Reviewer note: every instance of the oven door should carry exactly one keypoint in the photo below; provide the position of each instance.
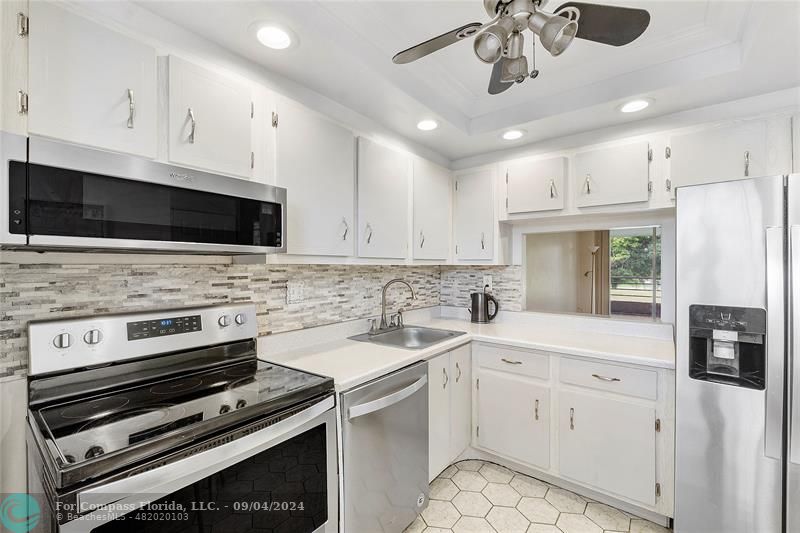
(71, 196)
(282, 477)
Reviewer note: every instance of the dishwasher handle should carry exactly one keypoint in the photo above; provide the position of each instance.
(388, 400)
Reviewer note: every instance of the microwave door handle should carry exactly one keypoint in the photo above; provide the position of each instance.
(773, 437)
(794, 277)
(386, 401)
(154, 484)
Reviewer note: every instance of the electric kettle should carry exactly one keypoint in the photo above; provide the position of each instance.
(479, 310)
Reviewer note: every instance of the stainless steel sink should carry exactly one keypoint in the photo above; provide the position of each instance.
(410, 337)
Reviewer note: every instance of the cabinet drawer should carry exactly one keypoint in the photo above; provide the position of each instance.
(611, 378)
(516, 361)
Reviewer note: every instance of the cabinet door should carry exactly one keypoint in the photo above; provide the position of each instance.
(473, 217)
(209, 120)
(460, 400)
(438, 415)
(431, 235)
(615, 175)
(90, 85)
(316, 164)
(536, 185)
(264, 136)
(382, 201)
(514, 417)
(731, 151)
(608, 444)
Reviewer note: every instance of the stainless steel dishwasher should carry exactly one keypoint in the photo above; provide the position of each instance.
(385, 451)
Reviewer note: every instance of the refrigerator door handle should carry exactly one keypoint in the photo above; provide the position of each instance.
(794, 409)
(773, 438)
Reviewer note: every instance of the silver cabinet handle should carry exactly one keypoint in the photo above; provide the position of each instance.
(346, 228)
(746, 163)
(605, 378)
(194, 126)
(368, 228)
(131, 108)
(511, 361)
(571, 418)
(421, 239)
(553, 191)
(458, 376)
(445, 378)
(588, 184)
(483, 243)
(536, 410)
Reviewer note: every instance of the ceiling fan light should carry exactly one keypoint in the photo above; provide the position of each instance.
(514, 70)
(555, 32)
(491, 42)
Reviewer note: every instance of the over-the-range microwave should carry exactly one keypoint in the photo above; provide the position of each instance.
(64, 196)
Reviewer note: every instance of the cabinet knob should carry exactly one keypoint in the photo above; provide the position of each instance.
(193, 126)
(131, 108)
(588, 184)
(746, 163)
(571, 418)
(368, 228)
(553, 191)
(445, 378)
(62, 340)
(536, 410)
(346, 229)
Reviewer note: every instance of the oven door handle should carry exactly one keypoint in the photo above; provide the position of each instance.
(164, 480)
(386, 401)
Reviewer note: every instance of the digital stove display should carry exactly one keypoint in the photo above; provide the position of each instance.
(146, 329)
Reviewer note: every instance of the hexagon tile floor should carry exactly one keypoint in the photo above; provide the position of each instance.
(480, 497)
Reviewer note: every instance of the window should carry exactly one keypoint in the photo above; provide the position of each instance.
(635, 272)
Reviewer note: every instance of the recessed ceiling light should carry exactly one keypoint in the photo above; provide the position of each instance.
(635, 105)
(513, 135)
(427, 125)
(274, 37)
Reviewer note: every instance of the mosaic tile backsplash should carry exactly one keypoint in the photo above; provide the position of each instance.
(331, 293)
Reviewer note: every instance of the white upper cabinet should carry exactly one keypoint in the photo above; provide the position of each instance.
(536, 185)
(473, 215)
(743, 149)
(209, 120)
(383, 179)
(431, 234)
(90, 85)
(613, 175)
(316, 164)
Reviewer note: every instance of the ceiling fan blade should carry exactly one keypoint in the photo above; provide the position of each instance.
(495, 85)
(437, 43)
(616, 26)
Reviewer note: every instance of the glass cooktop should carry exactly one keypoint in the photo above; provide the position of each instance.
(87, 429)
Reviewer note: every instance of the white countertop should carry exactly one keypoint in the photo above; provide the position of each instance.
(351, 363)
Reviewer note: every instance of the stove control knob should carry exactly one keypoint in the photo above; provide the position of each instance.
(241, 319)
(94, 451)
(93, 336)
(224, 409)
(241, 403)
(62, 340)
(224, 321)
(69, 458)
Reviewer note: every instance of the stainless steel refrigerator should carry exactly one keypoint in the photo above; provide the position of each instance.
(738, 357)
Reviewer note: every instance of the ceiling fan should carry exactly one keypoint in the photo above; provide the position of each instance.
(500, 41)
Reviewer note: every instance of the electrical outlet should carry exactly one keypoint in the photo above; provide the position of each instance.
(487, 280)
(295, 292)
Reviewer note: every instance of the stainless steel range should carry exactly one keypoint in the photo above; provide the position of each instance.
(167, 421)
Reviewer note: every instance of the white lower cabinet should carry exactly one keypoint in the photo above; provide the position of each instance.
(513, 416)
(449, 400)
(604, 426)
(608, 444)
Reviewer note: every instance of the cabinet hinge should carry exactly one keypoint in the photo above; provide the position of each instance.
(456, 249)
(649, 186)
(274, 119)
(506, 202)
(478, 384)
(506, 177)
(456, 185)
(22, 24)
(658, 425)
(22, 102)
(477, 431)
(649, 154)
(658, 490)
(668, 184)
(252, 160)
(252, 110)
(667, 152)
